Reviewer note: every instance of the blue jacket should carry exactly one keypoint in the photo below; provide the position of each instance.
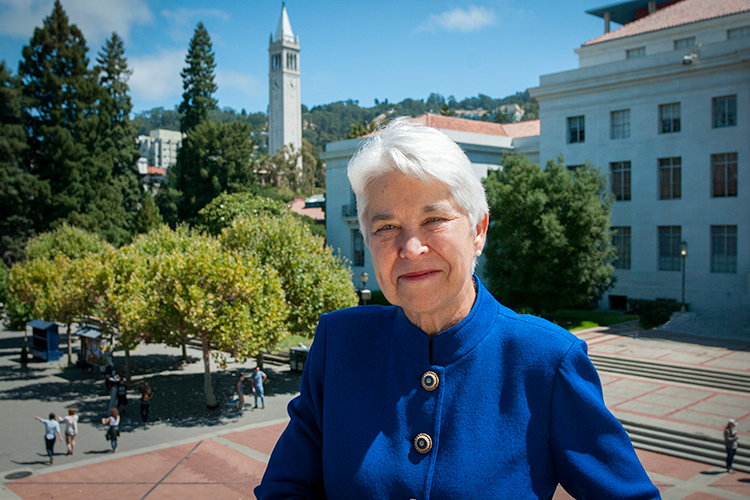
(498, 406)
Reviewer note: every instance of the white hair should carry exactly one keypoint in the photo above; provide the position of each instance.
(421, 152)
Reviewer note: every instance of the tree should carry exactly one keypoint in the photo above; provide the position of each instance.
(215, 158)
(224, 299)
(446, 110)
(117, 133)
(315, 281)
(148, 216)
(198, 81)
(19, 190)
(226, 208)
(548, 245)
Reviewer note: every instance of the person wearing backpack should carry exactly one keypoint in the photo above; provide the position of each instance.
(122, 395)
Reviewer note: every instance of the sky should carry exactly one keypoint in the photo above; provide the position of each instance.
(349, 49)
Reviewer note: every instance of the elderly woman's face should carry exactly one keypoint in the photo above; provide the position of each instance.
(423, 248)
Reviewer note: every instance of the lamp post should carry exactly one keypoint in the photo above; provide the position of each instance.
(365, 293)
(683, 253)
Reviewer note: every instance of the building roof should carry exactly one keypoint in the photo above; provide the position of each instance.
(284, 29)
(678, 14)
(627, 12)
(155, 171)
(519, 129)
(298, 205)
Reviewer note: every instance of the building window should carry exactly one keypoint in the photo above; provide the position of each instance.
(724, 111)
(669, 118)
(620, 179)
(684, 43)
(635, 53)
(669, 248)
(621, 241)
(670, 178)
(358, 248)
(724, 175)
(620, 124)
(723, 249)
(576, 129)
(573, 168)
(738, 33)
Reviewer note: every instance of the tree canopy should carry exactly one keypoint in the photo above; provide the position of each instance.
(198, 81)
(548, 245)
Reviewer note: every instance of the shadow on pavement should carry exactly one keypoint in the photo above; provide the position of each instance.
(732, 345)
(38, 462)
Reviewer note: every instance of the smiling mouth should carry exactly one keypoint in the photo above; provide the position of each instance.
(417, 275)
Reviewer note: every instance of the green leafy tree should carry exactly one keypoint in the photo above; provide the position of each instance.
(19, 190)
(226, 208)
(117, 133)
(360, 129)
(214, 158)
(198, 81)
(446, 110)
(548, 246)
(148, 216)
(315, 281)
(224, 299)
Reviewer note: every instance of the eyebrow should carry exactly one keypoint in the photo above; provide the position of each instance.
(384, 216)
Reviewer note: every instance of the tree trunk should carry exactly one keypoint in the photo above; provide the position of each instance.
(127, 364)
(184, 351)
(210, 402)
(259, 360)
(70, 348)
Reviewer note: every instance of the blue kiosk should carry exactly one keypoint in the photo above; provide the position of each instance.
(45, 340)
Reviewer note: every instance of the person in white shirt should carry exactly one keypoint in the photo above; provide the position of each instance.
(113, 432)
(51, 429)
(71, 429)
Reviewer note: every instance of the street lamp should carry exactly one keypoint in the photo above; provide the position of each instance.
(683, 253)
(365, 293)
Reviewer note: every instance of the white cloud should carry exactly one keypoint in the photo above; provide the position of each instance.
(242, 82)
(96, 18)
(157, 77)
(458, 19)
(183, 21)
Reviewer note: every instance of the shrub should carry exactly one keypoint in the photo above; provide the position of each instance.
(654, 312)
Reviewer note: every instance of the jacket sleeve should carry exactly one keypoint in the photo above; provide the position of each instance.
(295, 470)
(593, 455)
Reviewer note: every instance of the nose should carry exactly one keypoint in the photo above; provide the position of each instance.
(411, 245)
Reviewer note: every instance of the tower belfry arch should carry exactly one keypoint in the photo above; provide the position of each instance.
(284, 105)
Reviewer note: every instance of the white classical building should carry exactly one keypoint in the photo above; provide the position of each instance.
(483, 142)
(663, 105)
(159, 149)
(285, 105)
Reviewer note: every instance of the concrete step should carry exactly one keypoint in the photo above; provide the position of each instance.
(705, 377)
(701, 449)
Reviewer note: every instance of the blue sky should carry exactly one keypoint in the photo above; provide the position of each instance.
(389, 49)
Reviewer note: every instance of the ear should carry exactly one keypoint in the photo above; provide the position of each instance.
(481, 232)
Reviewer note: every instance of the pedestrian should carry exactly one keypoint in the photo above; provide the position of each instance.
(146, 394)
(122, 396)
(259, 378)
(24, 361)
(241, 392)
(51, 430)
(113, 431)
(731, 443)
(71, 429)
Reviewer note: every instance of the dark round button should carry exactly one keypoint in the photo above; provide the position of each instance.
(423, 443)
(430, 381)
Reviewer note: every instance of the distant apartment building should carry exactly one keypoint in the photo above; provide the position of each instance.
(484, 143)
(159, 149)
(662, 104)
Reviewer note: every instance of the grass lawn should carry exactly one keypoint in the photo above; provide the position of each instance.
(292, 341)
(574, 319)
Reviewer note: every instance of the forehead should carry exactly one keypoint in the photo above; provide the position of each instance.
(397, 190)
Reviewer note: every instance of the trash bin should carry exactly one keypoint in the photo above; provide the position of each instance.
(297, 358)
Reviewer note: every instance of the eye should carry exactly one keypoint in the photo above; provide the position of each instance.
(384, 227)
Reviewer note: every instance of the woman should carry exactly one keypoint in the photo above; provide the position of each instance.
(51, 429)
(446, 394)
(113, 431)
(146, 394)
(71, 429)
(241, 392)
(731, 443)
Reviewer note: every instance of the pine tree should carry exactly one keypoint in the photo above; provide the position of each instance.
(198, 81)
(61, 119)
(148, 216)
(19, 190)
(117, 134)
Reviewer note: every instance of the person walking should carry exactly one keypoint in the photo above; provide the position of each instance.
(113, 431)
(51, 430)
(24, 361)
(731, 443)
(146, 394)
(259, 378)
(122, 396)
(71, 429)
(241, 392)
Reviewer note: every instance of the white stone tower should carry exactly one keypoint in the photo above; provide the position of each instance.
(284, 107)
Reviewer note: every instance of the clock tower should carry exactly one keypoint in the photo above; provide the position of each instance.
(284, 107)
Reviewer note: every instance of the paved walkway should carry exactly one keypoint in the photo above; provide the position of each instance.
(227, 459)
